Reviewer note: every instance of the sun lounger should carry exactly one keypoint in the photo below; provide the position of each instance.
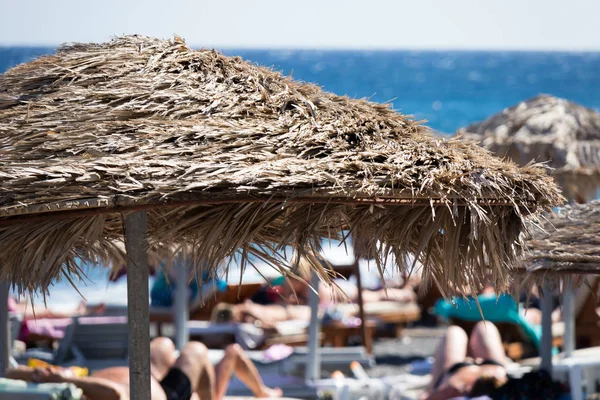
(407, 386)
(292, 333)
(92, 342)
(246, 335)
(95, 342)
(582, 368)
(337, 334)
(332, 358)
(263, 363)
(11, 389)
(387, 312)
(290, 385)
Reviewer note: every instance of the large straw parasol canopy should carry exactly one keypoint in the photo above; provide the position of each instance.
(547, 129)
(567, 242)
(227, 157)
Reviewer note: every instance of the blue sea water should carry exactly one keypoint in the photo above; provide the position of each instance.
(447, 88)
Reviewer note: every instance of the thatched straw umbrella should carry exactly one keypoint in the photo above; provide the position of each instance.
(144, 138)
(566, 243)
(547, 129)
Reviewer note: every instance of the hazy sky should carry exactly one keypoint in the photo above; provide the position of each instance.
(438, 24)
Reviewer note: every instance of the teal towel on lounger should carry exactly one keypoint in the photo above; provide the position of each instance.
(502, 309)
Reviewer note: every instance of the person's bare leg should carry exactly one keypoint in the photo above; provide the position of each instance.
(235, 360)
(451, 350)
(162, 357)
(193, 361)
(486, 343)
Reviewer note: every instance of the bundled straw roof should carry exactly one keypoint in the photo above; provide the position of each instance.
(226, 155)
(547, 129)
(567, 242)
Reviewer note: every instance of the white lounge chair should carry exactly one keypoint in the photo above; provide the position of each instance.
(581, 369)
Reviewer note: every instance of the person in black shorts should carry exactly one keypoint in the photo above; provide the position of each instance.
(188, 376)
(465, 366)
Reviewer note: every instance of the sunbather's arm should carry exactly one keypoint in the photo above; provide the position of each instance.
(21, 373)
(28, 311)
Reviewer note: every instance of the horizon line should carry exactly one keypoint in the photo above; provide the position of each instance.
(279, 47)
(344, 48)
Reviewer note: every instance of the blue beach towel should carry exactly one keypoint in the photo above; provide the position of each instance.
(503, 309)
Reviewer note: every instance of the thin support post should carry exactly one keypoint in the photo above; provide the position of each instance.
(575, 384)
(361, 307)
(181, 304)
(5, 339)
(569, 317)
(546, 343)
(138, 313)
(313, 364)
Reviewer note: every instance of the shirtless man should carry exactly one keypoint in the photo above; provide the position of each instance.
(189, 376)
(466, 367)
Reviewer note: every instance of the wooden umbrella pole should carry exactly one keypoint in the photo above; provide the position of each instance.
(313, 364)
(4, 329)
(138, 312)
(569, 317)
(546, 342)
(181, 304)
(361, 310)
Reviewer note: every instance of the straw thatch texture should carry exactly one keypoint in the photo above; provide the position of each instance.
(547, 129)
(226, 155)
(568, 242)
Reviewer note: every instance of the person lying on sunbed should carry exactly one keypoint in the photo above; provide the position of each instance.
(29, 311)
(44, 322)
(468, 366)
(189, 376)
(289, 300)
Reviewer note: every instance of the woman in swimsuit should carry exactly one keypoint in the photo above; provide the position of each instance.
(464, 366)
